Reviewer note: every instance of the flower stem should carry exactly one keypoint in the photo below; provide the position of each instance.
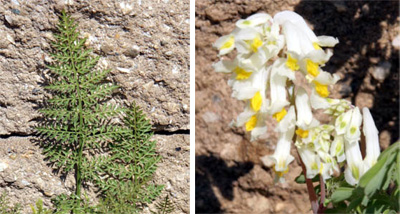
(311, 192)
(321, 207)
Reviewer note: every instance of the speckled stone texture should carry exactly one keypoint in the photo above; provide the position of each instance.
(146, 46)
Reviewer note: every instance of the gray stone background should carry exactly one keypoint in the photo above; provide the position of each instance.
(146, 46)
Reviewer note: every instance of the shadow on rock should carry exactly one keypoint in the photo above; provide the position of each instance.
(213, 171)
(364, 53)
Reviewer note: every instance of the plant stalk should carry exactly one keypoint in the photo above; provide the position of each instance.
(311, 192)
(81, 139)
(81, 144)
(321, 207)
(310, 188)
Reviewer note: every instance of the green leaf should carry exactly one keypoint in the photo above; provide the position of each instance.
(341, 194)
(376, 176)
(301, 179)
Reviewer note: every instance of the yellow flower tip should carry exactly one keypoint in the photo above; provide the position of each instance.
(281, 173)
(302, 133)
(314, 166)
(338, 148)
(316, 46)
(251, 124)
(312, 68)
(256, 44)
(292, 63)
(321, 168)
(353, 130)
(256, 101)
(355, 172)
(228, 44)
(246, 22)
(322, 90)
(280, 115)
(241, 74)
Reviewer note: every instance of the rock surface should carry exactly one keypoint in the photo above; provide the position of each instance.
(28, 177)
(148, 40)
(146, 46)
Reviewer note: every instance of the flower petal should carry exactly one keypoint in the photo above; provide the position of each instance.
(371, 139)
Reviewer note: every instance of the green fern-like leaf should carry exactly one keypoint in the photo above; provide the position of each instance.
(77, 122)
(165, 206)
(81, 132)
(126, 173)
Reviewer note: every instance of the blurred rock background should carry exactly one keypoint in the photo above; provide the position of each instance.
(146, 46)
(230, 177)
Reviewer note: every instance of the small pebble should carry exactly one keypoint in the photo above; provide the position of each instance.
(25, 182)
(107, 48)
(3, 166)
(340, 6)
(396, 42)
(267, 162)
(48, 194)
(365, 9)
(132, 52)
(169, 53)
(13, 156)
(175, 70)
(124, 70)
(216, 99)
(126, 8)
(163, 43)
(381, 71)
(10, 178)
(9, 19)
(345, 90)
(210, 117)
(15, 11)
(15, 2)
(35, 91)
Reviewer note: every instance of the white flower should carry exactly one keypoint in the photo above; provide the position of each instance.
(355, 165)
(288, 121)
(226, 66)
(337, 148)
(322, 81)
(253, 20)
(311, 161)
(371, 139)
(300, 39)
(282, 156)
(246, 89)
(248, 41)
(329, 164)
(323, 137)
(254, 122)
(305, 118)
(318, 102)
(337, 106)
(241, 69)
(353, 133)
(279, 74)
(226, 43)
(342, 122)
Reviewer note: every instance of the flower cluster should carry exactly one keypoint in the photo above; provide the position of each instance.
(271, 52)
